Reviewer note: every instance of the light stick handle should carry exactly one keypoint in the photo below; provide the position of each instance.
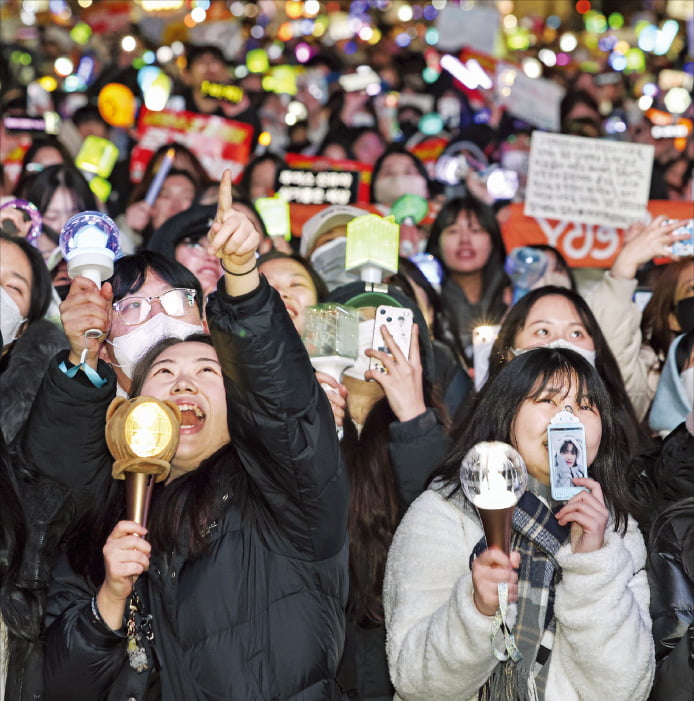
(162, 172)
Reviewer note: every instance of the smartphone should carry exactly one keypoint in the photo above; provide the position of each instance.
(567, 458)
(398, 321)
(685, 247)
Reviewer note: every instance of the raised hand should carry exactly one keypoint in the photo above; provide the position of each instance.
(402, 383)
(86, 307)
(644, 243)
(587, 514)
(488, 570)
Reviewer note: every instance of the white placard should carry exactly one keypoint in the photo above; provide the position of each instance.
(476, 27)
(594, 181)
(536, 100)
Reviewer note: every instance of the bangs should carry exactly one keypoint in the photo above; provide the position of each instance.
(556, 379)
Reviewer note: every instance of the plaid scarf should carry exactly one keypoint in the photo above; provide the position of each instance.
(537, 536)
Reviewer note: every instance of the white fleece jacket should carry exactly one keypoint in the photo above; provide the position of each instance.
(438, 643)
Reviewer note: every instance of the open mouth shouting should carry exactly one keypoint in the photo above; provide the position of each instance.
(192, 417)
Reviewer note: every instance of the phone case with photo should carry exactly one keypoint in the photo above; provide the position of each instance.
(398, 321)
(566, 444)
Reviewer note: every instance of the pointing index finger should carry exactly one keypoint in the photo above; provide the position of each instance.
(224, 200)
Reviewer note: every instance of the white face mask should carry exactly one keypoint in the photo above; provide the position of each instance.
(687, 380)
(11, 318)
(129, 348)
(329, 262)
(562, 343)
(388, 188)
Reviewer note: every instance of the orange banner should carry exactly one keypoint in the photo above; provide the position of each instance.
(583, 245)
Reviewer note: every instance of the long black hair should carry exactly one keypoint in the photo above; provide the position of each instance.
(528, 377)
(180, 512)
(487, 220)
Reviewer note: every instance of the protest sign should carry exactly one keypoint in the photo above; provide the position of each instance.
(593, 181)
(321, 187)
(218, 142)
(535, 100)
(583, 245)
(476, 27)
(318, 163)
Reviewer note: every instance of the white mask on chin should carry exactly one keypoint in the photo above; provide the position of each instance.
(128, 349)
(562, 343)
(11, 318)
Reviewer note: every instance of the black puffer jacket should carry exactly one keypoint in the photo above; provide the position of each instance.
(261, 614)
(21, 370)
(671, 571)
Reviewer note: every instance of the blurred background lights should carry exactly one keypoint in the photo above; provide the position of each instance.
(553, 22)
(647, 37)
(63, 66)
(665, 37)
(650, 89)
(298, 109)
(432, 36)
(84, 3)
(275, 51)
(405, 13)
(568, 42)
(583, 6)
(198, 14)
(677, 100)
(128, 43)
(617, 61)
(563, 59)
(532, 67)
(81, 33)
(636, 60)
(510, 22)
(548, 57)
(595, 22)
(48, 83)
(615, 20)
(149, 57)
(303, 52)
(645, 102)
(366, 32)
(311, 8)
(164, 54)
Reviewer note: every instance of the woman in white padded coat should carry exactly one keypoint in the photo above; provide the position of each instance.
(576, 582)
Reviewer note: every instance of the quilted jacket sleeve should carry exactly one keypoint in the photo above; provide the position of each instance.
(281, 422)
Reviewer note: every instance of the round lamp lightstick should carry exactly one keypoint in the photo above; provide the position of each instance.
(142, 435)
(493, 476)
(90, 242)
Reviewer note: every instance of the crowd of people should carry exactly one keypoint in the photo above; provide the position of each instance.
(312, 538)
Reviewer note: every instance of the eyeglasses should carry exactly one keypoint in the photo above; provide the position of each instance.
(134, 310)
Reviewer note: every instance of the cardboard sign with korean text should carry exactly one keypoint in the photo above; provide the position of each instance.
(321, 187)
(592, 181)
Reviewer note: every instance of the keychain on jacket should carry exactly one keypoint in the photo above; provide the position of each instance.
(137, 655)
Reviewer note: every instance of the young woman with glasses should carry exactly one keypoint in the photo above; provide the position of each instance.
(149, 297)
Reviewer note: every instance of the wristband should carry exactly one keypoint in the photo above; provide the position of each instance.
(250, 270)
